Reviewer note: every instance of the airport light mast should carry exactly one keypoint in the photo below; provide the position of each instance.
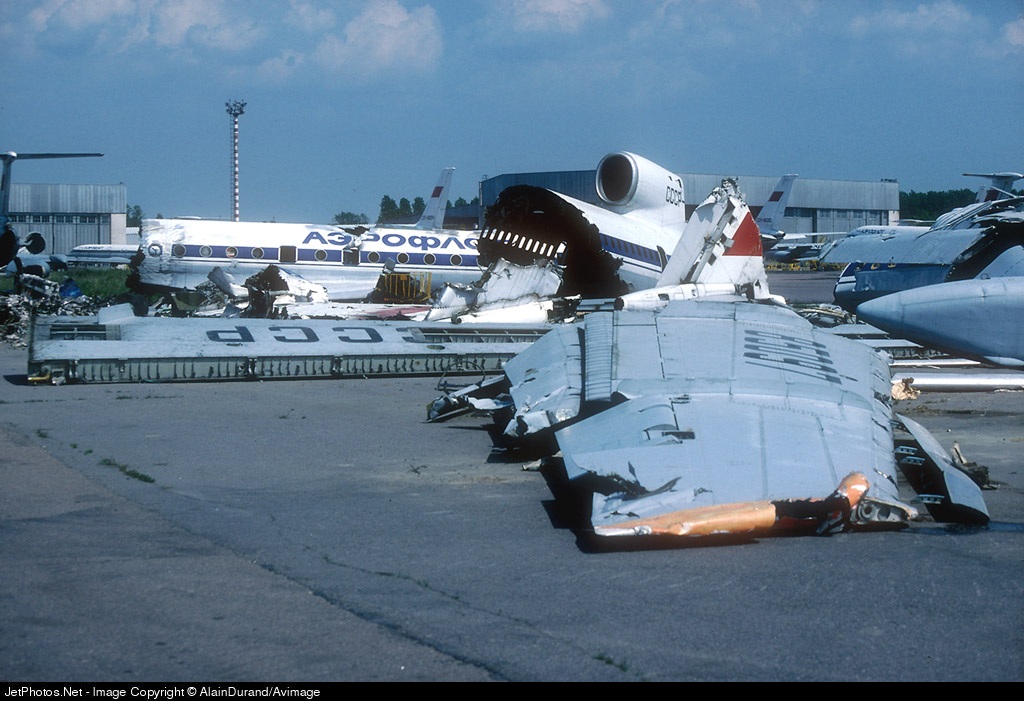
(236, 108)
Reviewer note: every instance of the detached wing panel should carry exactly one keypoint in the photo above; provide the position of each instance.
(739, 417)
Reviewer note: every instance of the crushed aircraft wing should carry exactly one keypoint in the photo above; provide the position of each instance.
(947, 492)
(714, 416)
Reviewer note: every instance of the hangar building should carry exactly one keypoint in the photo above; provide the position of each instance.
(815, 206)
(70, 215)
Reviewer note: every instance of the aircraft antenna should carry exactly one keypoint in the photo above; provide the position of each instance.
(236, 108)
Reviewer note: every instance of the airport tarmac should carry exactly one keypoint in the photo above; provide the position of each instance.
(321, 530)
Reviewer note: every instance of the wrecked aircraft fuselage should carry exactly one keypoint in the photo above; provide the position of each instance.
(605, 251)
(528, 223)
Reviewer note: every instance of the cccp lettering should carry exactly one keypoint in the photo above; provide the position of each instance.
(307, 334)
(239, 334)
(371, 335)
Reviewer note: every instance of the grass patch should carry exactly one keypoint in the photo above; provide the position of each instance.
(127, 471)
(42, 433)
(93, 282)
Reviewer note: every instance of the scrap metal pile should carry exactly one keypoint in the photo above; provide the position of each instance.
(41, 297)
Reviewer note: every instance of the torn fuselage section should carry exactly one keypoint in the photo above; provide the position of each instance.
(507, 292)
(528, 223)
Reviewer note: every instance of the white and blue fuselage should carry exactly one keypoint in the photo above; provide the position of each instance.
(178, 254)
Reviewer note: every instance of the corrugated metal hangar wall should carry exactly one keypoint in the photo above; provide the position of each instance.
(69, 215)
(814, 206)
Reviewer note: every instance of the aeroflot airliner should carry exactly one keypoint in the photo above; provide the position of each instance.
(178, 254)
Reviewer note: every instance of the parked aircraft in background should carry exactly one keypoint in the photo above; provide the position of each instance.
(999, 187)
(981, 240)
(12, 257)
(771, 214)
(781, 247)
(179, 254)
(846, 250)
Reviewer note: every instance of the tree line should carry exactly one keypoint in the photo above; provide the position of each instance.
(929, 206)
(391, 211)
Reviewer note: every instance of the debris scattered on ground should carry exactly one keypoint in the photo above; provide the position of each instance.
(904, 389)
(978, 473)
(39, 296)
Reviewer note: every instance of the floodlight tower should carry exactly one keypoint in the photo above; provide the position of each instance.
(236, 108)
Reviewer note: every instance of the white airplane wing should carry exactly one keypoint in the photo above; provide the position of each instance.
(715, 416)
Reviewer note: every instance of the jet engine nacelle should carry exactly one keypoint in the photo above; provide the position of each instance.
(634, 186)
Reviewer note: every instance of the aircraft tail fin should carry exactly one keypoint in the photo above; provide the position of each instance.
(719, 253)
(8, 159)
(770, 217)
(433, 214)
(999, 188)
(721, 243)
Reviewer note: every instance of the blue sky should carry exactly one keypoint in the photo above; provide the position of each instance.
(348, 101)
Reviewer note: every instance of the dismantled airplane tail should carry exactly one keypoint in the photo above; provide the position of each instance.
(719, 253)
(770, 216)
(9, 241)
(433, 214)
(8, 159)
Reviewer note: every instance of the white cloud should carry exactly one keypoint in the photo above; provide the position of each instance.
(78, 14)
(553, 15)
(309, 17)
(207, 23)
(925, 20)
(281, 67)
(115, 26)
(1013, 34)
(385, 36)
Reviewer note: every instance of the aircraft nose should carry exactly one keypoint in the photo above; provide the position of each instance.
(886, 312)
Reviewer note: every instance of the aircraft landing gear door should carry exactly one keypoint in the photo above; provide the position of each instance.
(287, 254)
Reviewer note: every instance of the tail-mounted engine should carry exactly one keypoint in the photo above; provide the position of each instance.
(631, 184)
